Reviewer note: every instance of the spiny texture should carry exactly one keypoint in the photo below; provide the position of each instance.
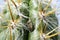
(44, 20)
(28, 20)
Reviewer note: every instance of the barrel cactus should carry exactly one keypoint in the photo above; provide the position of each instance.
(28, 20)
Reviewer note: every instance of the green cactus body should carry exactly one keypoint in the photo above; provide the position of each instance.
(30, 20)
(36, 19)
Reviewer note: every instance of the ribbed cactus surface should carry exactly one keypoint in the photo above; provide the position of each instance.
(28, 20)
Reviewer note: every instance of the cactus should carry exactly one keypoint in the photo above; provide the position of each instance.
(28, 20)
(42, 15)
